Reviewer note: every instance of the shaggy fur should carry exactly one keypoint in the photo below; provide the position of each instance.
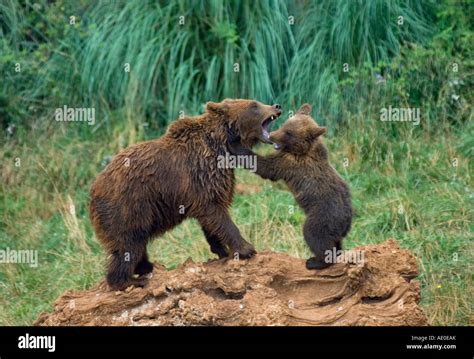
(151, 187)
(302, 162)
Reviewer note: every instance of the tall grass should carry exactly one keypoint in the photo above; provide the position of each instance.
(184, 53)
(333, 36)
(286, 51)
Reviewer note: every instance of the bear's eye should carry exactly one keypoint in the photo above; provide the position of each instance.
(288, 133)
(254, 105)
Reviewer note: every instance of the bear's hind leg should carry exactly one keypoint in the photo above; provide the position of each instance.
(320, 242)
(314, 263)
(122, 264)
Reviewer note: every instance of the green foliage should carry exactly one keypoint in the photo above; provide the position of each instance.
(184, 53)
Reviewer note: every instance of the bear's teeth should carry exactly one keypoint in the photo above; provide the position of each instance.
(272, 117)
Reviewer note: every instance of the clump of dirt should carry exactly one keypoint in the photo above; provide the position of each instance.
(269, 289)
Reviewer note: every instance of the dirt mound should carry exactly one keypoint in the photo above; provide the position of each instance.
(269, 289)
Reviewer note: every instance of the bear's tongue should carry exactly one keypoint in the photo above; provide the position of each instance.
(266, 134)
(266, 127)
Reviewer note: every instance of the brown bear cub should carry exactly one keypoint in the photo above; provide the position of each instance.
(151, 187)
(301, 160)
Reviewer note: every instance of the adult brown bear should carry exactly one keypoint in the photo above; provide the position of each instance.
(151, 187)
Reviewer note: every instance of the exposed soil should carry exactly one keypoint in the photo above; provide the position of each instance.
(244, 188)
(269, 289)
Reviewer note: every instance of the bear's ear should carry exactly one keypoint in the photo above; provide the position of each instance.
(216, 107)
(316, 132)
(320, 131)
(305, 109)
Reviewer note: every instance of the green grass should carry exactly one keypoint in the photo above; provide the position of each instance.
(410, 192)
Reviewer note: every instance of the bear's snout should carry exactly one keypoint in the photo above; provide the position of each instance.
(277, 107)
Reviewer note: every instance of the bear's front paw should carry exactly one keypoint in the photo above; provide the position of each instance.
(245, 251)
(144, 267)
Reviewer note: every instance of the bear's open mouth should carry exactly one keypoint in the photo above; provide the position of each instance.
(266, 128)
